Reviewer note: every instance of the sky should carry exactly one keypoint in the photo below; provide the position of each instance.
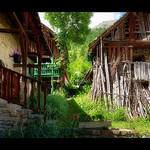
(97, 18)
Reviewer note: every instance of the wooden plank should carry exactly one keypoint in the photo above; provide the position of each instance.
(107, 78)
(94, 124)
(25, 92)
(149, 72)
(118, 51)
(103, 84)
(131, 53)
(32, 93)
(142, 26)
(131, 26)
(7, 30)
(17, 22)
(121, 92)
(117, 88)
(123, 53)
(135, 70)
(126, 52)
(139, 70)
(146, 71)
(114, 53)
(109, 54)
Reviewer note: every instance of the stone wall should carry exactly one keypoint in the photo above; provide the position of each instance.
(12, 115)
(107, 133)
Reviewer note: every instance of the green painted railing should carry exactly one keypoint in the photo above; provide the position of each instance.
(48, 70)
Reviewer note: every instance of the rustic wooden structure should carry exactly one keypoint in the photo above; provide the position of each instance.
(33, 43)
(121, 61)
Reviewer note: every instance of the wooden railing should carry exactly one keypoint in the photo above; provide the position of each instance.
(15, 87)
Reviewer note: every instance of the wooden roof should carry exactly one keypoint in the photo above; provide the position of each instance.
(107, 31)
(33, 24)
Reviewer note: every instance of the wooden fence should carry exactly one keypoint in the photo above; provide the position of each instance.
(122, 84)
(15, 87)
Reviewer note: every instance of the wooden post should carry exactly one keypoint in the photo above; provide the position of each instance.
(45, 102)
(114, 53)
(131, 26)
(131, 53)
(109, 54)
(123, 53)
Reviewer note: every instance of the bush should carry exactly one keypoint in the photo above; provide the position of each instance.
(40, 130)
(57, 106)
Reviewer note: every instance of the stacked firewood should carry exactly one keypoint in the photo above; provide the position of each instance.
(116, 84)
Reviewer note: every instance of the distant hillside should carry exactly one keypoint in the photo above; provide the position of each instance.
(105, 24)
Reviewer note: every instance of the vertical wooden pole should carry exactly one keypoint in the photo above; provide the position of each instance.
(114, 53)
(131, 53)
(123, 53)
(109, 54)
(45, 102)
(131, 26)
(32, 93)
(25, 92)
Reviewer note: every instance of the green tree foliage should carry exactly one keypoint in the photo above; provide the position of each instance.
(71, 27)
(78, 55)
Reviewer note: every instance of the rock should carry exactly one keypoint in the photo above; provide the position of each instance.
(94, 124)
(20, 112)
(116, 132)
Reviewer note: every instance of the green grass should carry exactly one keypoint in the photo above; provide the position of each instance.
(69, 111)
(40, 130)
(141, 125)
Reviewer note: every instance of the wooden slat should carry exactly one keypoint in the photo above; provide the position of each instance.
(107, 77)
(114, 53)
(1, 81)
(109, 54)
(123, 53)
(32, 93)
(39, 96)
(131, 26)
(25, 92)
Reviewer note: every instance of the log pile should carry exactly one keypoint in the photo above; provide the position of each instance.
(122, 84)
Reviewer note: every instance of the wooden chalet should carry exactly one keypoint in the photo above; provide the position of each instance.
(24, 33)
(121, 64)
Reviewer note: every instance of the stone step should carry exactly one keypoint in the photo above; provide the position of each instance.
(6, 123)
(10, 118)
(20, 112)
(4, 110)
(4, 114)
(3, 101)
(14, 106)
(4, 105)
(95, 124)
(32, 118)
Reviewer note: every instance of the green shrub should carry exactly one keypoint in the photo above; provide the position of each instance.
(57, 106)
(40, 130)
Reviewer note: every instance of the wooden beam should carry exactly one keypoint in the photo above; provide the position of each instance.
(123, 43)
(6, 30)
(28, 65)
(131, 26)
(17, 22)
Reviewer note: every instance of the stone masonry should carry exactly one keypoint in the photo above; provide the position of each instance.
(12, 115)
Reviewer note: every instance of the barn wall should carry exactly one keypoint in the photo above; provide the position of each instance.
(139, 52)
